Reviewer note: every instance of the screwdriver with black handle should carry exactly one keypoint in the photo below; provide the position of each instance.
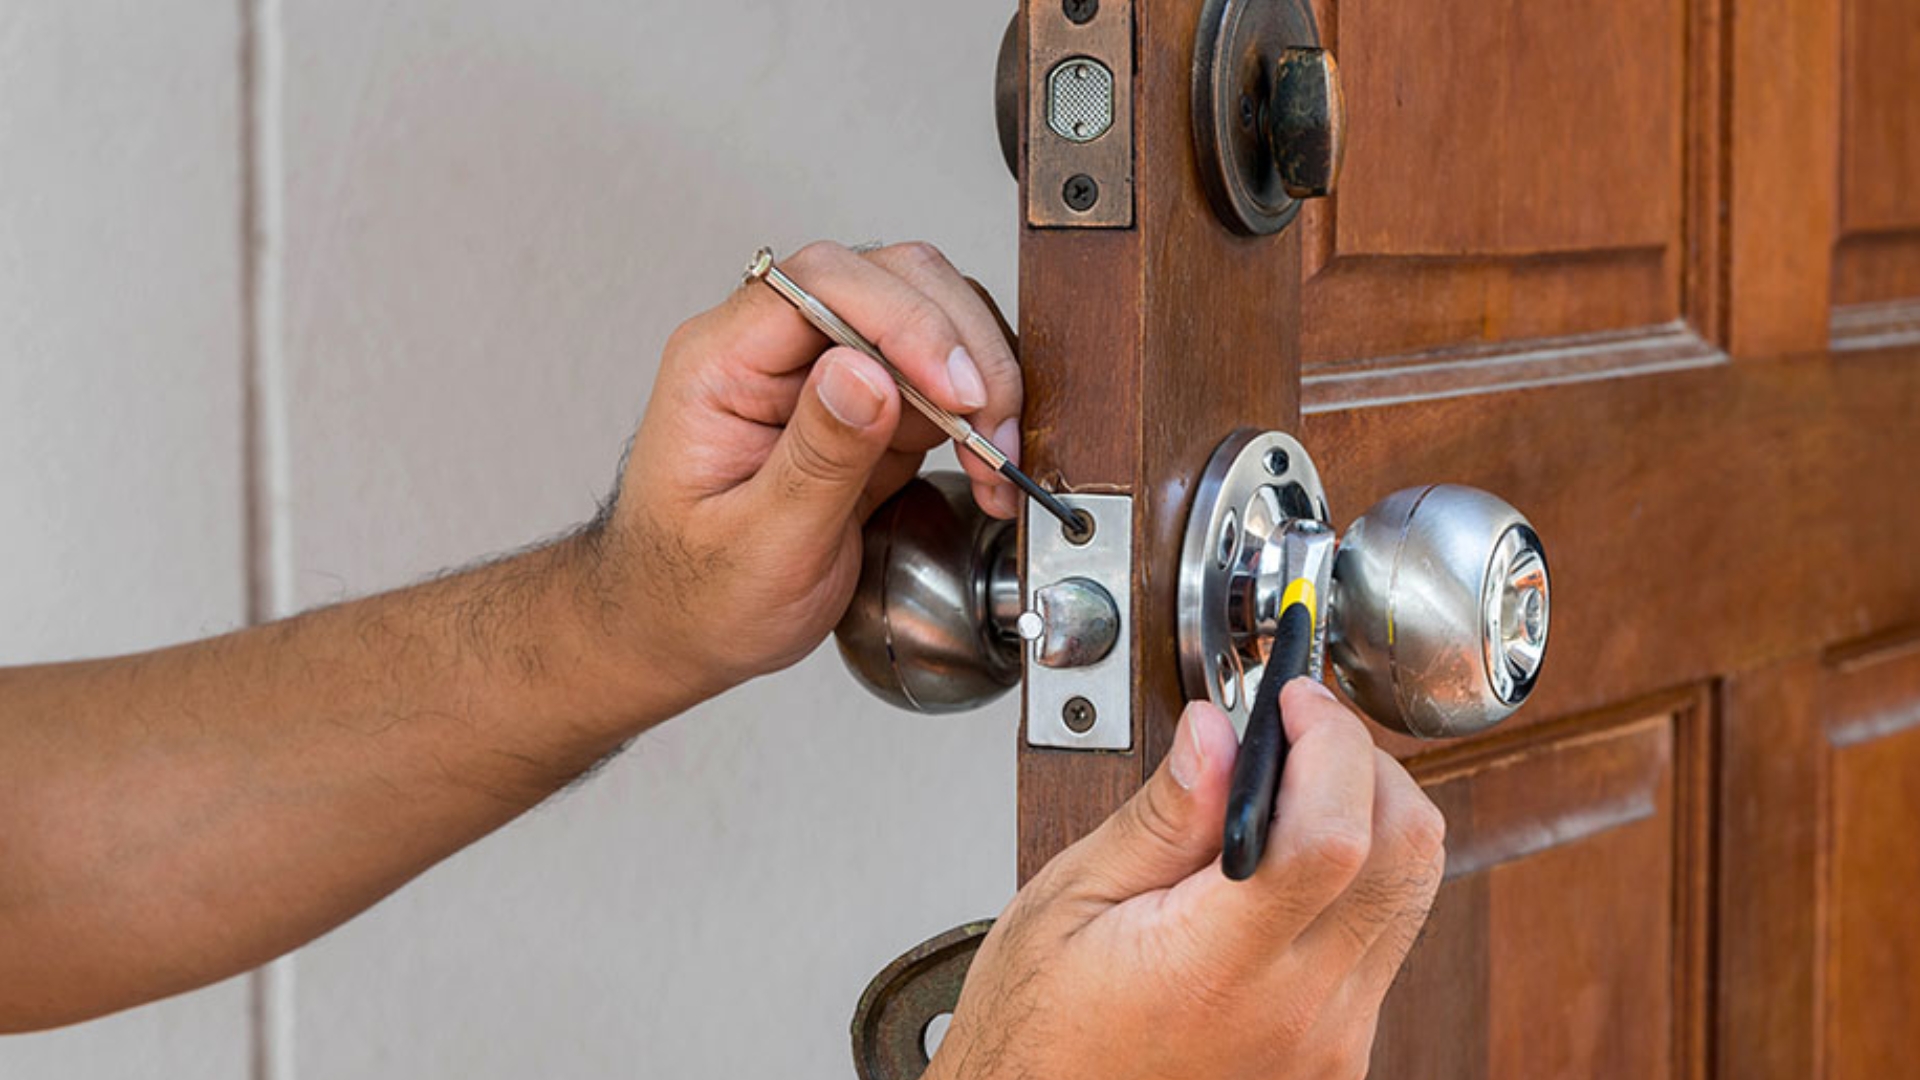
(1263, 747)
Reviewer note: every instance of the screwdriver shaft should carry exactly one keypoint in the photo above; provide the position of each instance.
(825, 320)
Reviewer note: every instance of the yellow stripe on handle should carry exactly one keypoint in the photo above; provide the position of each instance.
(1300, 591)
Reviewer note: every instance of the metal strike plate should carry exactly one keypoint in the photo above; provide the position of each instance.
(1079, 79)
(1090, 707)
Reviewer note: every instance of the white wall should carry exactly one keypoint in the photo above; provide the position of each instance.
(483, 218)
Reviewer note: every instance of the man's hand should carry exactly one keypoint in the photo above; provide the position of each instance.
(1131, 956)
(737, 528)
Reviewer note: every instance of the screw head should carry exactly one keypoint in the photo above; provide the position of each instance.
(1080, 12)
(1080, 192)
(1078, 714)
(1277, 462)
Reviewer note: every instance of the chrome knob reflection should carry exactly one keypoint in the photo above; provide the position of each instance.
(1441, 604)
(931, 625)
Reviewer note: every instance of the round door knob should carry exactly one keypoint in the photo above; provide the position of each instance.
(1440, 607)
(931, 624)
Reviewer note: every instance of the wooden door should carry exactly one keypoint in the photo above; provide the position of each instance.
(1649, 270)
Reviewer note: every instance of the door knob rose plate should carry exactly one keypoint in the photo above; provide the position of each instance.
(1259, 522)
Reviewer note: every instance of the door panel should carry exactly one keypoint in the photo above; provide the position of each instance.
(1879, 253)
(1544, 144)
(1557, 851)
(1872, 934)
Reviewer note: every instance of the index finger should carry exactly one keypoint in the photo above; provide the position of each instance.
(984, 332)
(909, 328)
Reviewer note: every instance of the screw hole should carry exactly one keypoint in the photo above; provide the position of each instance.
(1278, 462)
(1229, 539)
(1080, 12)
(1081, 532)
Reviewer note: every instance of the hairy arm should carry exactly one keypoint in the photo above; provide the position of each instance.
(176, 817)
(181, 815)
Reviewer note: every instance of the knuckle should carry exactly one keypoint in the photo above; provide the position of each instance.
(1423, 832)
(1335, 849)
(817, 253)
(918, 255)
(924, 325)
(687, 342)
(1154, 819)
(810, 464)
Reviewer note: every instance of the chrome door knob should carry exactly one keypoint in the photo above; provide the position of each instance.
(1440, 611)
(932, 624)
(1434, 606)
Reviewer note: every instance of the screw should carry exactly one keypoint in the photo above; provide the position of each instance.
(1080, 533)
(1080, 192)
(1278, 462)
(1080, 12)
(1078, 714)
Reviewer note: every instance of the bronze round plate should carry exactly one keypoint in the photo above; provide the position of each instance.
(1235, 53)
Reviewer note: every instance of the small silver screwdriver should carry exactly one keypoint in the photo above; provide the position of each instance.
(824, 320)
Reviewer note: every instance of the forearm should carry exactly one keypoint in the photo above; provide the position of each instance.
(178, 816)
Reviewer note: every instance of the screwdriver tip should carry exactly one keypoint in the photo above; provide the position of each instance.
(1074, 522)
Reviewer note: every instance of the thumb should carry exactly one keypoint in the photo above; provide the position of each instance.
(1172, 826)
(839, 430)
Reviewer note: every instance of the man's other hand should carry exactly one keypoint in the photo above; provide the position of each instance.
(1131, 956)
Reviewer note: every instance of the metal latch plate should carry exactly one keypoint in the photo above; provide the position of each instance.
(1084, 708)
(1079, 151)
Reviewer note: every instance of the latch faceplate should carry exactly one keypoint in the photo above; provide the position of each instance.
(1080, 705)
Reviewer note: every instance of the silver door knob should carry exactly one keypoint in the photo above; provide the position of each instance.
(1440, 609)
(1433, 608)
(933, 622)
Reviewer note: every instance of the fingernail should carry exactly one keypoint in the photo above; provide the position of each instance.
(1314, 687)
(1185, 760)
(968, 387)
(1007, 438)
(848, 395)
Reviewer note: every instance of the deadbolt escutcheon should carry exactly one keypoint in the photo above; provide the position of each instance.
(1269, 121)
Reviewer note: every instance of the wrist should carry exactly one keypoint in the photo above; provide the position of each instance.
(627, 645)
